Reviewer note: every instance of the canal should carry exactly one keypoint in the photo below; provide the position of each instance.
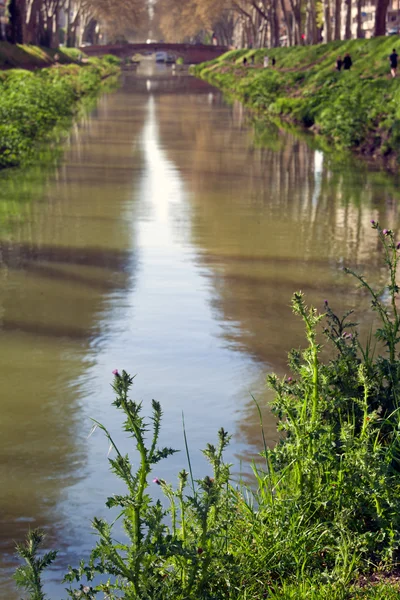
(166, 240)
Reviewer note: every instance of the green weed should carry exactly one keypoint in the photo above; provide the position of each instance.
(352, 109)
(322, 512)
(32, 104)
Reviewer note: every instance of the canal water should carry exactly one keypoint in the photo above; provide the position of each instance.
(166, 239)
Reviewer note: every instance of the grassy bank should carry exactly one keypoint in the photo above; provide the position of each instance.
(357, 109)
(24, 56)
(322, 518)
(33, 103)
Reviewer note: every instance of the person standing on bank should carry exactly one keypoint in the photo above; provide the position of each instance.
(339, 63)
(347, 62)
(393, 58)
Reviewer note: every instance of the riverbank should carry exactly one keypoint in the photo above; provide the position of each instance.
(24, 56)
(34, 103)
(356, 109)
(321, 518)
(164, 252)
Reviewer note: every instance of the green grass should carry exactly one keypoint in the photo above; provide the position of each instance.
(309, 590)
(34, 103)
(357, 109)
(33, 57)
(321, 520)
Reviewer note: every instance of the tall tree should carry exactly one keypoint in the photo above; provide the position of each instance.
(360, 4)
(287, 15)
(311, 23)
(51, 10)
(16, 21)
(347, 34)
(380, 17)
(37, 21)
(338, 19)
(327, 21)
(297, 11)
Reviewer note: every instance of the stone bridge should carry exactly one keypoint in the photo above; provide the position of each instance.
(191, 53)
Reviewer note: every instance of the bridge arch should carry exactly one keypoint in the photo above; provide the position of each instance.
(191, 53)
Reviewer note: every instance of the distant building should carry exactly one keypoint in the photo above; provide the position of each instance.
(368, 18)
(393, 17)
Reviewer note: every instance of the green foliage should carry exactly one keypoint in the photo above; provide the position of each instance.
(328, 501)
(33, 103)
(73, 53)
(28, 576)
(352, 109)
(182, 557)
(324, 510)
(110, 59)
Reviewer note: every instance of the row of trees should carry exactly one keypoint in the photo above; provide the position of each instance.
(227, 22)
(264, 22)
(44, 22)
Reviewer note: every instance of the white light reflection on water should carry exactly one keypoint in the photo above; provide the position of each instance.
(163, 329)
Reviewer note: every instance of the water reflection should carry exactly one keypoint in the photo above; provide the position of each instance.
(167, 241)
(271, 214)
(58, 268)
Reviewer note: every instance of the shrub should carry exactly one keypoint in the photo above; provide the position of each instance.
(325, 507)
(111, 59)
(32, 104)
(351, 109)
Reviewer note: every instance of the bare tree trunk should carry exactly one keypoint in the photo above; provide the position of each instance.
(286, 18)
(31, 23)
(348, 20)
(49, 31)
(380, 17)
(359, 18)
(296, 6)
(311, 32)
(41, 34)
(327, 21)
(338, 19)
(56, 29)
(274, 26)
(16, 23)
(68, 23)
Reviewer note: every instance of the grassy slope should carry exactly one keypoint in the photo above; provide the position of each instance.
(33, 104)
(359, 109)
(31, 57)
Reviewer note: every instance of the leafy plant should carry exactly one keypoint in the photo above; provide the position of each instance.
(29, 576)
(170, 558)
(324, 508)
(33, 104)
(355, 109)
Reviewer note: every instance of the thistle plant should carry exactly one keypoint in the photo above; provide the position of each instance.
(29, 575)
(338, 457)
(169, 548)
(130, 563)
(385, 370)
(325, 507)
